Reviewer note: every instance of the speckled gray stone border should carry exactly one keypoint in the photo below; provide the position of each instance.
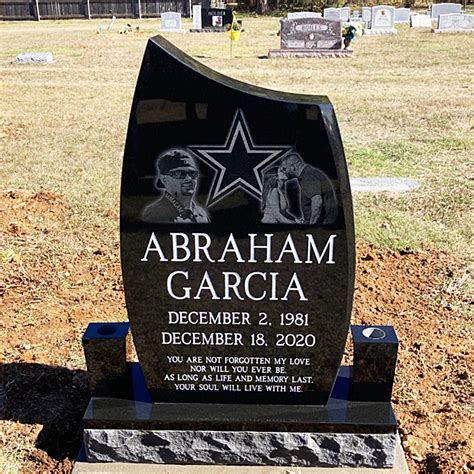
(240, 448)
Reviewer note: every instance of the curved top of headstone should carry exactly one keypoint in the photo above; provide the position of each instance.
(204, 70)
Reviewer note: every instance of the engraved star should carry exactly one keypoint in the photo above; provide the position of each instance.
(238, 163)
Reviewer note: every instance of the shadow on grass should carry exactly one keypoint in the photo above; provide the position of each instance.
(54, 397)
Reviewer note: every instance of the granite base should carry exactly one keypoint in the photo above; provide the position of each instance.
(381, 31)
(241, 448)
(306, 53)
(341, 413)
(81, 466)
(343, 432)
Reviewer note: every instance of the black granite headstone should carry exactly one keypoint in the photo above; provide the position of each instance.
(215, 17)
(237, 237)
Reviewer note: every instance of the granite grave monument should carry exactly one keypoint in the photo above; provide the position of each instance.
(382, 21)
(210, 20)
(420, 21)
(171, 22)
(438, 9)
(454, 23)
(237, 249)
(402, 15)
(310, 37)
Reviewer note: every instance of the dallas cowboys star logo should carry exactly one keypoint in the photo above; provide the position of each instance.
(238, 163)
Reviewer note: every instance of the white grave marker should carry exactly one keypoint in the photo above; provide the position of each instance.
(438, 9)
(402, 15)
(197, 19)
(382, 21)
(171, 22)
(420, 21)
(454, 23)
(111, 24)
(35, 58)
(296, 15)
(367, 16)
(345, 13)
(332, 13)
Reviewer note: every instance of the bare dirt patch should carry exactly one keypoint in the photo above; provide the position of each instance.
(424, 296)
(51, 292)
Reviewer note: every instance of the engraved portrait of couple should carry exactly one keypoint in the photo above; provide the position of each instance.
(177, 179)
(318, 204)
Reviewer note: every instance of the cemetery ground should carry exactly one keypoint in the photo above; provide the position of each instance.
(403, 104)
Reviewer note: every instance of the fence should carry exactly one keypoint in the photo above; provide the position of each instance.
(57, 9)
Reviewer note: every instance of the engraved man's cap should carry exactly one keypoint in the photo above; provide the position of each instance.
(174, 158)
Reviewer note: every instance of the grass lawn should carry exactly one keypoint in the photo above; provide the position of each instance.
(404, 105)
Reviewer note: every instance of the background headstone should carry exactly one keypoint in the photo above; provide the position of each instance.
(420, 21)
(381, 184)
(383, 17)
(310, 34)
(197, 18)
(35, 58)
(367, 16)
(402, 15)
(332, 13)
(111, 24)
(454, 23)
(216, 18)
(438, 9)
(345, 13)
(296, 15)
(171, 22)
(382, 21)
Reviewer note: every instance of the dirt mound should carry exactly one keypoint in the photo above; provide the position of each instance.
(53, 286)
(423, 296)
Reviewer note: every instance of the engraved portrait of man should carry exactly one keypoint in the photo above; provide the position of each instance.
(177, 177)
(318, 199)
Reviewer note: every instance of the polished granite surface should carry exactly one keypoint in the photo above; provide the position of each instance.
(339, 415)
(204, 229)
